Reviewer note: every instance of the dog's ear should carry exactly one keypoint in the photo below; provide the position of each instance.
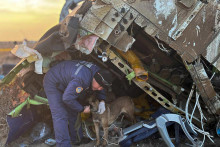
(90, 98)
(94, 98)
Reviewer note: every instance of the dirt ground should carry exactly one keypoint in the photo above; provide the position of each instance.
(6, 101)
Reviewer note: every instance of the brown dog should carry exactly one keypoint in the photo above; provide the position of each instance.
(113, 110)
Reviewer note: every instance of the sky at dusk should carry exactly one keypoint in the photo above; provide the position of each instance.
(28, 19)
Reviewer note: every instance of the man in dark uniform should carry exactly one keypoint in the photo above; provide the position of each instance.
(65, 85)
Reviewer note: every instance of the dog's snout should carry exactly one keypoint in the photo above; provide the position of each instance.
(92, 108)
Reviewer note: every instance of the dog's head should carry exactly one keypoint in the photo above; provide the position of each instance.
(94, 103)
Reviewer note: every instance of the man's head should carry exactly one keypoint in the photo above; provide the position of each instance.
(93, 102)
(102, 79)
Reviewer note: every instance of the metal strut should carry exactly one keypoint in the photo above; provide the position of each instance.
(146, 87)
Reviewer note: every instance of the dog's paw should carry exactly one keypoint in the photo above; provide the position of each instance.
(104, 144)
(97, 145)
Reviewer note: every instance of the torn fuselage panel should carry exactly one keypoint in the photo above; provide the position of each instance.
(186, 29)
(205, 87)
(110, 22)
(197, 35)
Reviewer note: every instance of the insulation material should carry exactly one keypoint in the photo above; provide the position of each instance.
(142, 107)
(86, 44)
(22, 51)
(136, 64)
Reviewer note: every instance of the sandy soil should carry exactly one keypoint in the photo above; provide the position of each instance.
(6, 97)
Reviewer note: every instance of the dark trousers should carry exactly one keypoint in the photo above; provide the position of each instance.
(64, 119)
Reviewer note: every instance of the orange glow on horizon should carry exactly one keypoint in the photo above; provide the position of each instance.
(25, 19)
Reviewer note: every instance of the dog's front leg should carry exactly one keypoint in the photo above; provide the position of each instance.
(105, 136)
(96, 124)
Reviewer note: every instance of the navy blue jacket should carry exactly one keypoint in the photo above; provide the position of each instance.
(73, 78)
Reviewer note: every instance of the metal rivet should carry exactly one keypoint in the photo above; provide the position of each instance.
(124, 21)
(122, 28)
(131, 16)
(113, 19)
(122, 10)
(117, 32)
(116, 14)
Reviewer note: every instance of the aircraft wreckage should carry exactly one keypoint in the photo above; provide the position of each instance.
(170, 50)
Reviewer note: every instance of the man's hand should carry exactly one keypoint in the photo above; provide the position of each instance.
(86, 109)
(101, 107)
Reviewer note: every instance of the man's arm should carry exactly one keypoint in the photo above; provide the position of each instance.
(101, 95)
(71, 93)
